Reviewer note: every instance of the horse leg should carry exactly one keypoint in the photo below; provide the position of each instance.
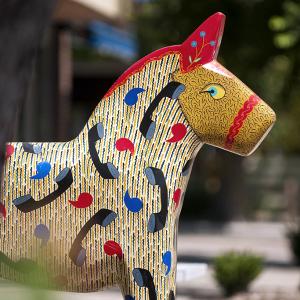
(140, 285)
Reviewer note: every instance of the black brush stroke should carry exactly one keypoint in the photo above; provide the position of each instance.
(167, 91)
(27, 204)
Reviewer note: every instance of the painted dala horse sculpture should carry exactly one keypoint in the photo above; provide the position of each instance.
(103, 209)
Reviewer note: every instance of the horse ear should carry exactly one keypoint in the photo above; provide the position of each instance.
(203, 44)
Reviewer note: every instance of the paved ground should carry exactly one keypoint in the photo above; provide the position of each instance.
(204, 241)
(201, 243)
(273, 284)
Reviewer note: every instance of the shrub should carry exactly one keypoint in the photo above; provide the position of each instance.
(234, 271)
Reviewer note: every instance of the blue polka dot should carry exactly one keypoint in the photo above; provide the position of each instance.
(194, 44)
(212, 43)
(131, 97)
(202, 33)
(167, 260)
(133, 204)
(42, 170)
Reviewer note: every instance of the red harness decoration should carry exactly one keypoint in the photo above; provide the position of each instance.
(239, 120)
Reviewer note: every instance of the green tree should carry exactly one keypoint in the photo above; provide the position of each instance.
(261, 46)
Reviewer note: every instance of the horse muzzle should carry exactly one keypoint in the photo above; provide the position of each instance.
(250, 126)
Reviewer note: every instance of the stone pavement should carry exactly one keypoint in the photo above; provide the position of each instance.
(201, 242)
(273, 284)
(204, 241)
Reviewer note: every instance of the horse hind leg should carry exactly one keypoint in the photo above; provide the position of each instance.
(138, 284)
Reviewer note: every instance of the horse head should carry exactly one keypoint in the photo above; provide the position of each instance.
(221, 109)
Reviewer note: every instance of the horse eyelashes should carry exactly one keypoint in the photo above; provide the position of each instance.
(172, 90)
(106, 170)
(27, 204)
(103, 218)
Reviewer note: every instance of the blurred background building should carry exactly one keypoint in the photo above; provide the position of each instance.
(89, 44)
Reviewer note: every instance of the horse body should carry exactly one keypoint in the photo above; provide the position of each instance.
(128, 170)
(129, 229)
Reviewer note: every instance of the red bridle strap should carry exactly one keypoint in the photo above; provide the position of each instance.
(239, 120)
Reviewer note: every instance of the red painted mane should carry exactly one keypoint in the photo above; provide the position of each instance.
(139, 65)
(199, 48)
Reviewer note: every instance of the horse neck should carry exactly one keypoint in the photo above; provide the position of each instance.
(123, 121)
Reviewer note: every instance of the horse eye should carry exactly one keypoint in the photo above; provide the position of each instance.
(216, 91)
